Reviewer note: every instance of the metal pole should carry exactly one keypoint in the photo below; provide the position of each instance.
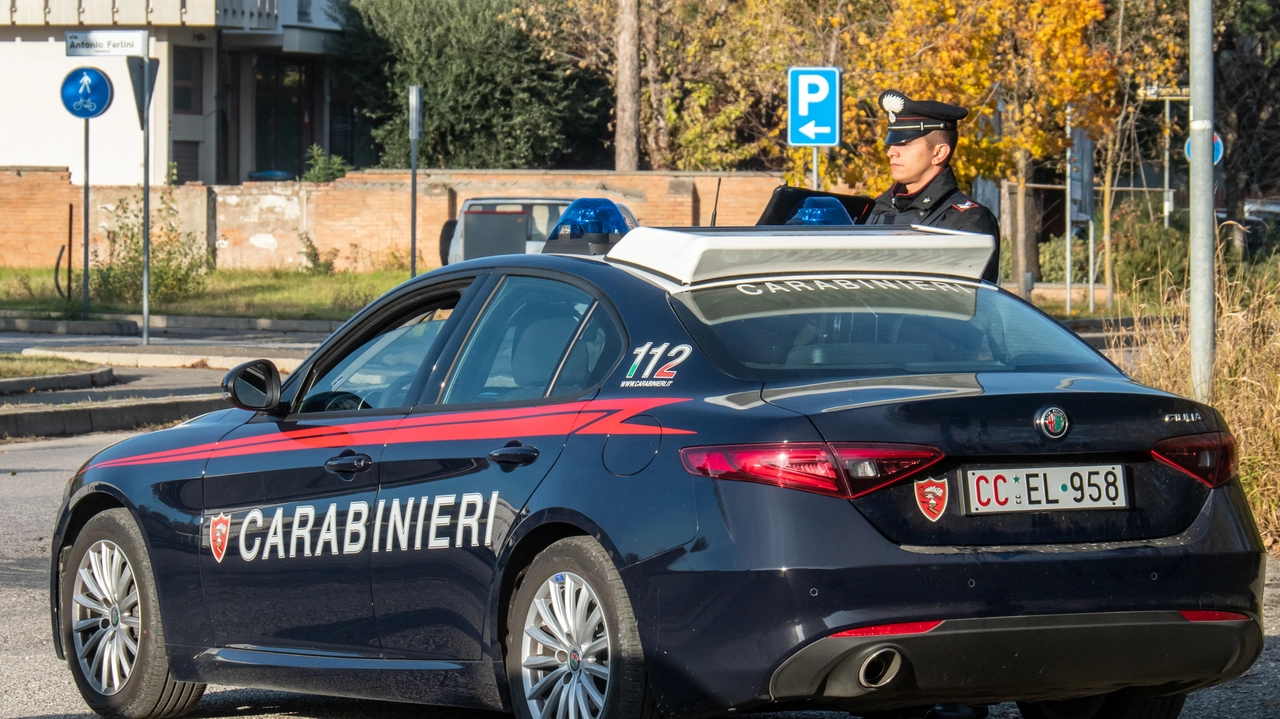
(85, 223)
(146, 197)
(413, 209)
(1168, 200)
(815, 169)
(1091, 267)
(1066, 237)
(415, 134)
(1202, 200)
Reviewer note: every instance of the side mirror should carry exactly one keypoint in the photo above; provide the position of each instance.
(253, 385)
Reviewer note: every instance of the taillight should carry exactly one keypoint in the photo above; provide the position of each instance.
(806, 466)
(840, 470)
(1208, 615)
(1209, 457)
(888, 630)
(872, 466)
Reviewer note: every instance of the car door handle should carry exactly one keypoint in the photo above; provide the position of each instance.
(515, 453)
(349, 462)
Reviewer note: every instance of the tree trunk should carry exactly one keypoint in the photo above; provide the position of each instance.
(1021, 255)
(627, 103)
(657, 133)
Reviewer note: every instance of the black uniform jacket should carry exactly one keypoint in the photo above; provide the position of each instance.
(939, 204)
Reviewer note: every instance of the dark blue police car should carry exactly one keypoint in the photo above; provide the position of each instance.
(676, 472)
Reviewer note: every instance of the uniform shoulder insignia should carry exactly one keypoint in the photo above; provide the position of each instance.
(966, 205)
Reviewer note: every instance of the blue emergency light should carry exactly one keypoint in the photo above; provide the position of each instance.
(588, 226)
(821, 211)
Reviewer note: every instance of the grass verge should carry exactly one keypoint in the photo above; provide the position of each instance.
(16, 365)
(1246, 387)
(279, 294)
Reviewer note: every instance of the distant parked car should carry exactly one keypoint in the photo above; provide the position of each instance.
(498, 226)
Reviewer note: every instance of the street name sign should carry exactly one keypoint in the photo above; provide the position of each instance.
(813, 106)
(86, 92)
(107, 43)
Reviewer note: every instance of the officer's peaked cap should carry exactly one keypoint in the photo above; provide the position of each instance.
(909, 119)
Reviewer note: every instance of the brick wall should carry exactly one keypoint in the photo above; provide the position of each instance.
(33, 227)
(364, 216)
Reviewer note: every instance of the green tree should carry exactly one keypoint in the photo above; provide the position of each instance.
(490, 97)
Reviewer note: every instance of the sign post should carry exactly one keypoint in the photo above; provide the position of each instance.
(142, 70)
(86, 93)
(813, 110)
(415, 134)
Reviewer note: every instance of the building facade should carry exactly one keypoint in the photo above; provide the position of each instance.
(241, 89)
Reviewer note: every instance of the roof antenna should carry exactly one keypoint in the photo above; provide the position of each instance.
(716, 204)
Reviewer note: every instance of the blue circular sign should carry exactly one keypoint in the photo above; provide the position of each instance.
(1217, 149)
(86, 93)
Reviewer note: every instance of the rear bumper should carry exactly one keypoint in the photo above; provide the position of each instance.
(1044, 657)
(773, 573)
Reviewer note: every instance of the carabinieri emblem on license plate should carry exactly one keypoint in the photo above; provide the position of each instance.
(931, 497)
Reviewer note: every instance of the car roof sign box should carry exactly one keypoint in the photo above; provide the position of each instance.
(700, 254)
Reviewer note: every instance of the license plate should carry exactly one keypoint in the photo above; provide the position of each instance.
(1046, 489)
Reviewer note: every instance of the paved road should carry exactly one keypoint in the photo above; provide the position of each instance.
(17, 341)
(33, 684)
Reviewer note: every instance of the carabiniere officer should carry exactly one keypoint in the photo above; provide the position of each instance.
(921, 140)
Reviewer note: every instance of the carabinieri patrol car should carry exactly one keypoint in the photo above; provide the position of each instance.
(677, 473)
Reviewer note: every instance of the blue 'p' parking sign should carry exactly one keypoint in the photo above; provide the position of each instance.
(86, 92)
(813, 104)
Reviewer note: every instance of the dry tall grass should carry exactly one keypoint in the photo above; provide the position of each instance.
(1246, 386)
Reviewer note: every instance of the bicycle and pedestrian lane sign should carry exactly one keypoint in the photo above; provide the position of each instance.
(813, 106)
(86, 92)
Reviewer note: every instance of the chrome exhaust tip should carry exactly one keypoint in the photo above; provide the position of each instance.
(879, 668)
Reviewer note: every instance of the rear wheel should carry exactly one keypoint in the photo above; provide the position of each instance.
(572, 645)
(1110, 706)
(111, 625)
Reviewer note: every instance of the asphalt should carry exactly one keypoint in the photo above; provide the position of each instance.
(35, 685)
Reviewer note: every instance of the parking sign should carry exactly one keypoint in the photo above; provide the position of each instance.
(813, 106)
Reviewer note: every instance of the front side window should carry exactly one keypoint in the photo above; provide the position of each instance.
(379, 373)
(850, 326)
(520, 342)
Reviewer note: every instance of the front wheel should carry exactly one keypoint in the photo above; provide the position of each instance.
(111, 625)
(572, 645)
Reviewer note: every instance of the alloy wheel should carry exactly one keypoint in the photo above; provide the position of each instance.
(564, 651)
(106, 621)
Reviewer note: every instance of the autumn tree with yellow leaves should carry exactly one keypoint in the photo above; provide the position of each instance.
(1018, 66)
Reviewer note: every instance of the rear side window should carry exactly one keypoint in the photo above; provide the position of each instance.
(804, 327)
(519, 343)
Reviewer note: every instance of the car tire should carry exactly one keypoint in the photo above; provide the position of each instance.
(118, 661)
(599, 628)
(1120, 705)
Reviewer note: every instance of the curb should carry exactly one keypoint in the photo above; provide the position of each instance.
(183, 322)
(150, 359)
(105, 416)
(99, 377)
(69, 327)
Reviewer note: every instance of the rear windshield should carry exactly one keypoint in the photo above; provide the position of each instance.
(829, 326)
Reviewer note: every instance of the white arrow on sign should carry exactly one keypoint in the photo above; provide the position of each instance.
(812, 130)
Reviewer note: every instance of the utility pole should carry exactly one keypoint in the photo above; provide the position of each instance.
(1202, 200)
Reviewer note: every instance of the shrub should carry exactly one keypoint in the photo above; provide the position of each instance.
(179, 260)
(317, 262)
(323, 167)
